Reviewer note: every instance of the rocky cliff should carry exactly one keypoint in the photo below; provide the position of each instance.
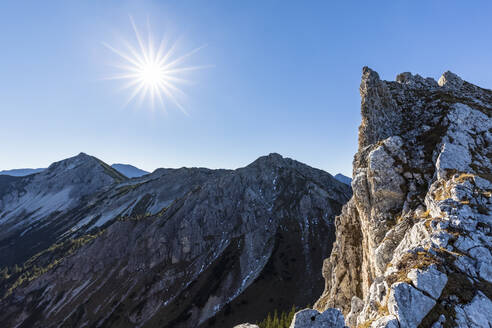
(183, 248)
(413, 244)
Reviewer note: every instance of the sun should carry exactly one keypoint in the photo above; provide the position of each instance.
(152, 72)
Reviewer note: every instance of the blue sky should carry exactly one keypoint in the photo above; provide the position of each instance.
(285, 76)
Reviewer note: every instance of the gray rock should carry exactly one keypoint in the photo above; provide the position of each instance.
(308, 318)
(388, 321)
(408, 304)
(356, 307)
(246, 325)
(439, 323)
(453, 157)
(429, 280)
(475, 314)
(450, 80)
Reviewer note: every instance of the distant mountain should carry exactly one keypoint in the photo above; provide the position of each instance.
(129, 171)
(36, 210)
(21, 172)
(188, 247)
(343, 179)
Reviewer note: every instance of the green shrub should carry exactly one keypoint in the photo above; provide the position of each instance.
(277, 320)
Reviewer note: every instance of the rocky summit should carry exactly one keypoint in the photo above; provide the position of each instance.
(413, 244)
(84, 246)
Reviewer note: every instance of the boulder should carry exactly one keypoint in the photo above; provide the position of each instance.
(331, 318)
(408, 304)
(429, 280)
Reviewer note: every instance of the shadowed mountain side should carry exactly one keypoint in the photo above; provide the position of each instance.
(236, 233)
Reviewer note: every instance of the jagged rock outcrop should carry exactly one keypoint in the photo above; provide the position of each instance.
(203, 248)
(413, 245)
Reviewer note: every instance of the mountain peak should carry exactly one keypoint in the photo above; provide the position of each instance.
(80, 168)
(450, 80)
(74, 160)
(272, 159)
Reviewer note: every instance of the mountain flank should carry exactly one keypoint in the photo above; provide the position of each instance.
(188, 247)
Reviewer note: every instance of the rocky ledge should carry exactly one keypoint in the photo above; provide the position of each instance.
(413, 245)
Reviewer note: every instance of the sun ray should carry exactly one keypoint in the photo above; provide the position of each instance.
(180, 59)
(131, 83)
(174, 88)
(168, 54)
(122, 76)
(135, 92)
(121, 54)
(134, 52)
(139, 39)
(185, 69)
(178, 80)
(151, 69)
(173, 99)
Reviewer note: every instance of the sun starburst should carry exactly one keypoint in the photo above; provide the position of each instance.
(152, 72)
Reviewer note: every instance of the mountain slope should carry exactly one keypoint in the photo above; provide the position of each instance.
(342, 178)
(31, 207)
(207, 258)
(129, 171)
(413, 245)
(79, 195)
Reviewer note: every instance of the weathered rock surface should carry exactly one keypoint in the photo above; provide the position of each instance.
(408, 304)
(431, 281)
(413, 245)
(184, 248)
(331, 318)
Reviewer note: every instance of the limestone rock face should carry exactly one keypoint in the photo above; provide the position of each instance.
(413, 245)
(408, 304)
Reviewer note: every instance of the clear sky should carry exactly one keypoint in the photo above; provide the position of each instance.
(285, 76)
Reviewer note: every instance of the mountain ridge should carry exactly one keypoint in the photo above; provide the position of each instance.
(128, 170)
(193, 226)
